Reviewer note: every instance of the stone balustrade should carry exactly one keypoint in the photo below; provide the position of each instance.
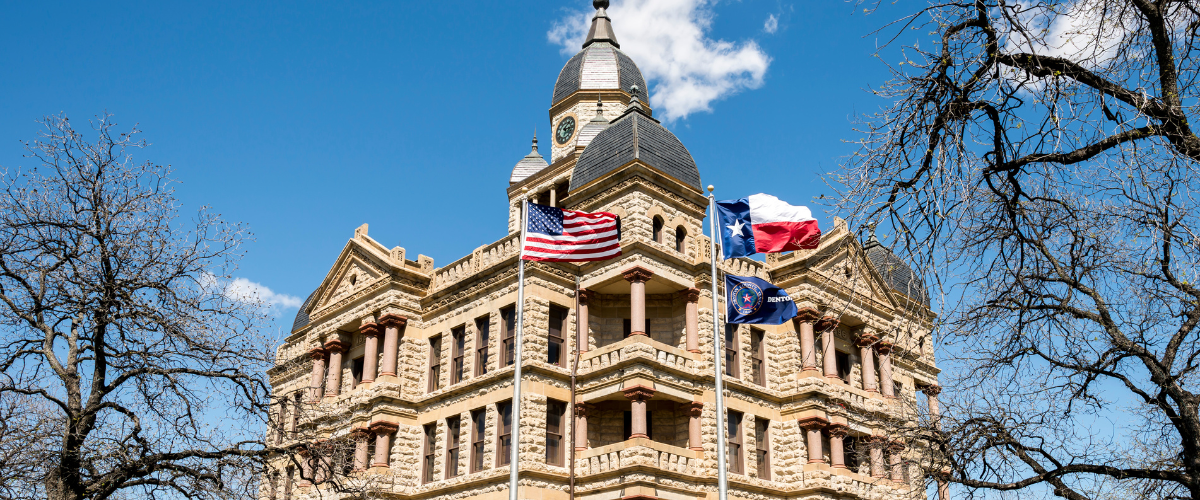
(638, 346)
(482, 258)
(638, 452)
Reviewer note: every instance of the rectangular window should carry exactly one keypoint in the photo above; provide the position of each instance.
(295, 413)
(733, 435)
(435, 363)
(731, 350)
(287, 482)
(430, 451)
(453, 434)
(458, 336)
(478, 431)
(504, 437)
(508, 328)
(758, 369)
(850, 452)
(761, 427)
(554, 348)
(843, 365)
(482, 338)
(555, 410)
(356, 370)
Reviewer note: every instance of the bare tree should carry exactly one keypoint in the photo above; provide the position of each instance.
(118, 323)
(1038, 160)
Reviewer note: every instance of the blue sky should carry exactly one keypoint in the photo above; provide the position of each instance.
(307, 119)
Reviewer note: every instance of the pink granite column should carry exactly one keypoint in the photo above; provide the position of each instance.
(931, 398)
(691, 318)
(333, 386)
(837, 450)
(638, 395)
(637, 278)
(583, 336)
(865, 342)
(827, 326)
(812, 427)
(808, 353)
(695, 411)
(361, 442)
(884, 349)
(581, 411)
(392, 324)
(306, 469)
(877, 443)
(318, 374)
(383, 442)
(370, 333)
(943, 486)
(894, 449)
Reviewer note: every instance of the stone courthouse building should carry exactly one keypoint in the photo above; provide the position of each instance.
(396, 379)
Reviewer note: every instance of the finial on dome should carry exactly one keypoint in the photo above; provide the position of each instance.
(535, 139)
(872, 241)
(601, 30)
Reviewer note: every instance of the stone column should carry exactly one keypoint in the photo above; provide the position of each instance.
(884, 349)
(318, 375)
(837, 450)
(306, 470)
(894, 449)
(935, 412)
(812, 427)
(808, 353)
(865, 342)
(334, 386)
(581, 411)
(392, 324)
(361, 442)
(877, 443)
(826, 326)
(695, 411)
(638, 395)
(383, 442)
(637, 278)
(692, 318)
(582, 336)
(943, 486)
(370, 333)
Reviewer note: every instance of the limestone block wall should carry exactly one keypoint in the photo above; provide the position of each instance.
(405, 458)
(606, 425)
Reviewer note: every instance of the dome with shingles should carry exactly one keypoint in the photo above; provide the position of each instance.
(531, 164)
(897, 273)
(302, 315)
(600, 65)
(635, 136)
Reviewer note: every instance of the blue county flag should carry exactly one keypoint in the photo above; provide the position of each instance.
(754, 301)
(557, 235)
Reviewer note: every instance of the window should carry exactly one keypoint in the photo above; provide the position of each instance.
(295, 413)
(453, 428)
(554, 431)
(554, 348)
(680, 236)
(843, 365)
(435, 363)
(430, 437)
(626, 328)
(458, 337)
(731, 350)
(657, 229)
(478, 431)
(628, 429)
(761, 427)
(508, 328)
(287, 482)
(504, 438)
(356, 370)
(482, 338)
(758, 369)
(850, 452)
(733, 435)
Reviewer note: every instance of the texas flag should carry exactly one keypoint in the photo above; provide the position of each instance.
(764, 223)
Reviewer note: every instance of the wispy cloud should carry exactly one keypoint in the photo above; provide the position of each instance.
(771, 25)
(669, 40)
(244, 290)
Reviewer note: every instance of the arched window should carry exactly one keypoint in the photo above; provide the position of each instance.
(680, 235)
(657, 229)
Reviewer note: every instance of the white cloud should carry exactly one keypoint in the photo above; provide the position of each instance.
(244, 290)
(668, 39)
(772, 24)
(1074, 33)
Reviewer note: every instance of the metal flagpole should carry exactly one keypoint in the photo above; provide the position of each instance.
(514, 444)
(718, 353)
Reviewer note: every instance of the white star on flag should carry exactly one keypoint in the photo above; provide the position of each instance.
(736, 227)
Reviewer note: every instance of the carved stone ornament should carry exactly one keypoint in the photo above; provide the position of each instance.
(369, 329)
(811, 423)
(690, 295)
(396, 320)
(884, 347)
(695, 408)
(582, 409)
(384, 427)
(866, 339)
(638, 393)
(638, 274)
(838, 430)
(895, 446)
(807, 315)
(932, 390)
(586, 296)
(316, 353)
(827, 323)
(336, 345)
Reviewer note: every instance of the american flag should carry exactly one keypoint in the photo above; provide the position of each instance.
(557, 235)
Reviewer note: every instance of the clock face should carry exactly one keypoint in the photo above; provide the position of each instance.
(566, 129)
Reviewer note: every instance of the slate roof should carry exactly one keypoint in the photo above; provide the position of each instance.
(635, 136)
(599, 66)
(302, 315)
(897, 273)
(531, 164)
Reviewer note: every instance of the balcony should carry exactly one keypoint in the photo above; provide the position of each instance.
(638, 453)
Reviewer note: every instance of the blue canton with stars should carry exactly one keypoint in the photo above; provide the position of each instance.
(545, 220)
(737, 238)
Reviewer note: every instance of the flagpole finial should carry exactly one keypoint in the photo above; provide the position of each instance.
(710, 188)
